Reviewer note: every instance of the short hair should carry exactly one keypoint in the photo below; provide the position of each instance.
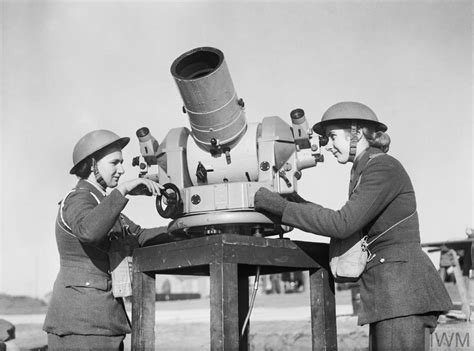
(83, 169)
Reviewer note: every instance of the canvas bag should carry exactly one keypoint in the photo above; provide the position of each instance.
(121, 261)
(348, 257)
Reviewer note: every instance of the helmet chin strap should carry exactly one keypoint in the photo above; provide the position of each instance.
(97, 175)
(353, 142)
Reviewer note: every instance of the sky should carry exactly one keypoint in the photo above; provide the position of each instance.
(69, 67)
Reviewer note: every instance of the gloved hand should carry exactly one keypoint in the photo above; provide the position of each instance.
(294, 197)
(268, 201)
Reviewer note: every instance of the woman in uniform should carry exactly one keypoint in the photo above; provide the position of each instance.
(401, 292)
(83, 313)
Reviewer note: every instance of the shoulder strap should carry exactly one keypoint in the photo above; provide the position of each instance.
(61, 209)
(393, 226)
(62, 205)
(90, 192)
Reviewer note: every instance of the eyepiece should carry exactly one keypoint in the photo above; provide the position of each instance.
(297, 116)
(142, 132)
(323, 140)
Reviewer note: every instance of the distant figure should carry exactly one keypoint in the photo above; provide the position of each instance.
(271, 283)
(293, 281)
(275, 284)
(90, 232)
(401, 292)
(166, 289)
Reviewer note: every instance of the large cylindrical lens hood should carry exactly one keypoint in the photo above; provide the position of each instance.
(209, 97)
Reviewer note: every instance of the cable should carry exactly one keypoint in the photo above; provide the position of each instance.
(252, 300)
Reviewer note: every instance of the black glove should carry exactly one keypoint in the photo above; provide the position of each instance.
(270, 202)
(294, 197)
(140, 190)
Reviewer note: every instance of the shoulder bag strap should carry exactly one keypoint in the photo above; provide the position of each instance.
(69, 230)
(393, 226)
(366, 242)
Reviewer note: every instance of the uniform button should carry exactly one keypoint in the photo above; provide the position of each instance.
(87, 283)
(382, 260)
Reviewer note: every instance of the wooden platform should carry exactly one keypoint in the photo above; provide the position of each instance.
(229, 260)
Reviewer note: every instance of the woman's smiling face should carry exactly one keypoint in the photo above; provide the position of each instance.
(338, 142)
(110, 167)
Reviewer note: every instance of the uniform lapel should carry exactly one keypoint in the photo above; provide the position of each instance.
(359, 166)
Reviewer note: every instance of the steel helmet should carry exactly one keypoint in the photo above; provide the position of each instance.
(95, 141)
(349, 111)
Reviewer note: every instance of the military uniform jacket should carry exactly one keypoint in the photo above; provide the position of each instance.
(400, 280)
(82, 301)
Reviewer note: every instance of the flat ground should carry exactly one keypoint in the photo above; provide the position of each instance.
(278, 323)
(179, 332)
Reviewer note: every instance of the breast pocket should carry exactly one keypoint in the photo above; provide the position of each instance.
(388, 258)
(82, 282)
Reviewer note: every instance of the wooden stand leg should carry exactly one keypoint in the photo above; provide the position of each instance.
(224, 306)
(143, 312)
(323, 310)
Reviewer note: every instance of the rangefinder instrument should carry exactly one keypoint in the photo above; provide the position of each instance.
(212, 171)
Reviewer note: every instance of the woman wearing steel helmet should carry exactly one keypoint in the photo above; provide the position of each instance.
(401, 292)
(83, 312)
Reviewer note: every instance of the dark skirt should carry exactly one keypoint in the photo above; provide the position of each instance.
(406, 333)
